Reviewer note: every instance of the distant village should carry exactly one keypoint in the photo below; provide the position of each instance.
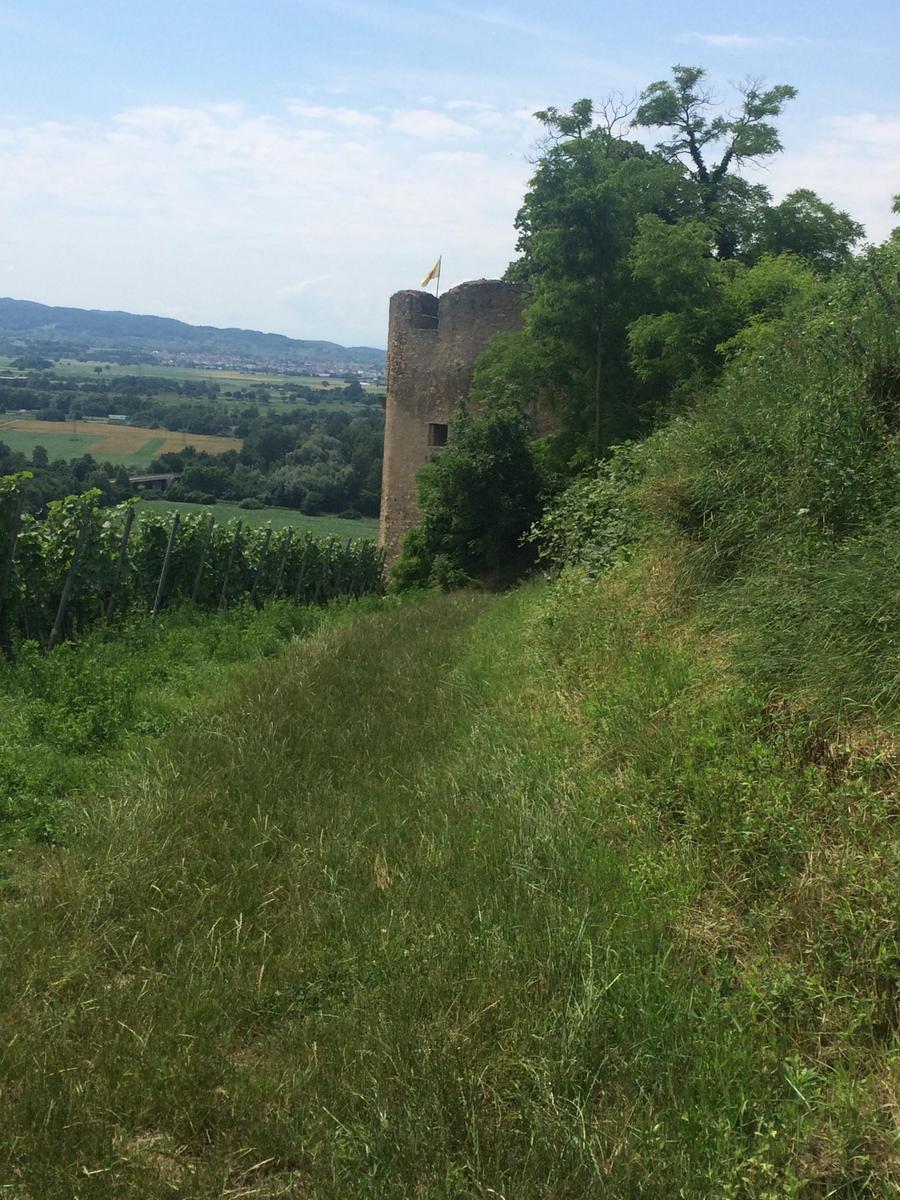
(270, 366)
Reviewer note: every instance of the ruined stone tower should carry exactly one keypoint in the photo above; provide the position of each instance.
(432, 347)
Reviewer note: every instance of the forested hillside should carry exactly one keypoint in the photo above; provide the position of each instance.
(128, 337)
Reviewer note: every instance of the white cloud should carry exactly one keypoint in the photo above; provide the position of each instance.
(222, 216)
(490, 118)
(293, 291)
(512, 22)
(351, 118)
(762, 41)
(426, 123)
(740, 41)
(852, 161)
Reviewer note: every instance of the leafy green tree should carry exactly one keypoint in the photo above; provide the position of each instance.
(478, 498)
(267, 443)
(805, 225)
(687, 310)
(576, 227)
(700, 307)
(632, 255)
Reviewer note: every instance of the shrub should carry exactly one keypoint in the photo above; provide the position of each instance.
(477, 498)
(595, 522)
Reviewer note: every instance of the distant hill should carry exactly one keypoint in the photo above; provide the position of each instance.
(127, 337)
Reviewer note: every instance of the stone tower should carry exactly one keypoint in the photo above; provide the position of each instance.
(432, 347)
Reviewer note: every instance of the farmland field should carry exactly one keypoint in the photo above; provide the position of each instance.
(365, 527)
(125, 445)
(229, 380)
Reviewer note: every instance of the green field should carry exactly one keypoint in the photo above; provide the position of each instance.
(235, 403)
(366, 527)
(62, 445)
(228, 380)
(231, 384)
(121, 445)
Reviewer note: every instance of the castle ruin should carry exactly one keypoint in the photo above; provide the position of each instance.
(432, 347)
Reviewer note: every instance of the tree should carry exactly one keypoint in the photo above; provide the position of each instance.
(477, 498)
(75, 415)
(805, 225)
(684, 105)
(576, 226)
(266, 443)
(686, 308)
(701, 308)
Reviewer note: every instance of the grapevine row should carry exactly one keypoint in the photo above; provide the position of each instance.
(82, 564)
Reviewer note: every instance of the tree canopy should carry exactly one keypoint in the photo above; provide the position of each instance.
(634, 255)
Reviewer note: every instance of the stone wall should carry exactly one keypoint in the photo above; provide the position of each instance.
(432, 347)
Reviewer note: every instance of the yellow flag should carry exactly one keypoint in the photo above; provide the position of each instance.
(433, 273)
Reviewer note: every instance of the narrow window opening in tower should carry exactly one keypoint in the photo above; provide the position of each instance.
(437, 435)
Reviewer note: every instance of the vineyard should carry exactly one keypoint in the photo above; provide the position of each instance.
(83, 564)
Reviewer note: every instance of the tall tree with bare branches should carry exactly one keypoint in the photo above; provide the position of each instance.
(712, 145)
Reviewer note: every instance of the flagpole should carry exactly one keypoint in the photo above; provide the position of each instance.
(437, 286)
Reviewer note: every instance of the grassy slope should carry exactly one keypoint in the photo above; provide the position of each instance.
(464, 899)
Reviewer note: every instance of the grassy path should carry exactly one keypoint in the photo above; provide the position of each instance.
(367, 933)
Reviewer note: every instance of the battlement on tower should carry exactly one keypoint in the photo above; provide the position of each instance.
(433, 344)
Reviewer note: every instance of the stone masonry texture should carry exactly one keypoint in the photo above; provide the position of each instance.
(432, 347)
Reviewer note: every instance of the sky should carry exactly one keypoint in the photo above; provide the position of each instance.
(286, 165)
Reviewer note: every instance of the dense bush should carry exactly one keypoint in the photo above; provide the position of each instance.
(595, 522)
(478, 497)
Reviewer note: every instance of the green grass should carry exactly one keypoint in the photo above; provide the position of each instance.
(464, 898)
(138, 458)
(66, 717)
(279, 517)
(56, 441)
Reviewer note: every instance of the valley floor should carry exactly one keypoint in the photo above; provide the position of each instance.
(410, 914)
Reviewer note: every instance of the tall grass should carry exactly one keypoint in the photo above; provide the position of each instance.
(776, 496)
(463, 899)
(70, 717)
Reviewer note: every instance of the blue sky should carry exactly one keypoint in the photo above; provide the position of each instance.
(287, 164)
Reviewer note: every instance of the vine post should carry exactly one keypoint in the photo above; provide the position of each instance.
(210, 525)
(302, 570)
(223, 597)
(120, 565)
(6, 568)
(264, 553)
(164, 573)
(284, 557)
(56, 632)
